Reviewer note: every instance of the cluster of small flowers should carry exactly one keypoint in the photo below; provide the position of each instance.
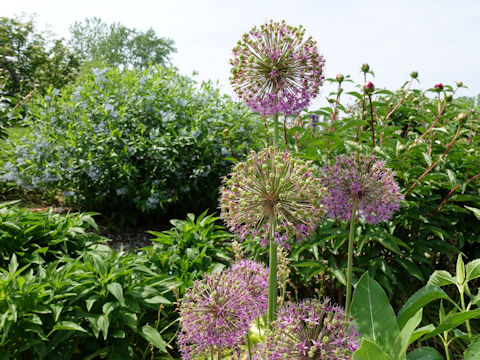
(272, 189)
(216, 313)
(275, 70)
(363, 180)
(310, 330)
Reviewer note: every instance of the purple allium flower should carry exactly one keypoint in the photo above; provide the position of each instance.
(363, 180)
(216, 312)
(275, 69)
(310, 330)
(271, 188)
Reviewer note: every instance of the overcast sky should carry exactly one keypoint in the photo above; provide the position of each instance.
(438, 38)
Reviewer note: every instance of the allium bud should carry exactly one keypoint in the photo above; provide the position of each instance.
(369, 88)
(339, 78)
(272, 189)
(462, 117)
(365, 67)
(438, 87)
(414, 74)
(283, 72)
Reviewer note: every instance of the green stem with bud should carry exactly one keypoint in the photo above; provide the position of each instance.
(353, 219)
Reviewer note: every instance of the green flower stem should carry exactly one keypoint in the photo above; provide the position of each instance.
(249, 346)
(275, 129)
(445, 345)
(469, 329)
(272, 279)
(353, 219)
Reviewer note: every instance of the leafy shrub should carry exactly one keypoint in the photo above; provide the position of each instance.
(129, 142)
(39, 237)
(191, 248)
(105, 303)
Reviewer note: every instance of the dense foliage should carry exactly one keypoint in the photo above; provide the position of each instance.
(131, 142)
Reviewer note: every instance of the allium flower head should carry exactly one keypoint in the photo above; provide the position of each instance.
(275, 69)
(272, 189)
(362, 180)
(310, 330)
(216, 312)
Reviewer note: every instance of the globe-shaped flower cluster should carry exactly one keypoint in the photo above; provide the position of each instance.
(310, 330)
(364, 181)
(216, 312)
(272, 190)
(275, 69)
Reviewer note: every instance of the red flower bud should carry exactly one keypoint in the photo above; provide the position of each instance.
(365, 67)
(438, 87)
(369, 88)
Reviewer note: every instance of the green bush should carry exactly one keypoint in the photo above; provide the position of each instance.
(129, 142)
(39, 237)
(191, 248)
(103, 304)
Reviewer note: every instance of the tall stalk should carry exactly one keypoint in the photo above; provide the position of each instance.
(353, 219)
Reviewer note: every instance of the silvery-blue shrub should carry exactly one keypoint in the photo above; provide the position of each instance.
(132, 142)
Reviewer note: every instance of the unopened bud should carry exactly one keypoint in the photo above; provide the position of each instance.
(414, 74)
(365, 67)
(462, 117)
(459, 84)
(339, 78)
(369, 88)
(448, 98)
(472, 111)
(438, 87)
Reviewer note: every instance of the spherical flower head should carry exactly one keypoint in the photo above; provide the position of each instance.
(438, 87)
(310, 330)
(462, 117)
(339, 78)
(272, 190)
(274, 69)
(255, 276)
(362, 180)
(215, 314)
(414, 74)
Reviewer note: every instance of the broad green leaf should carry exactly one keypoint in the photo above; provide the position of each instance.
(403, 339)
(418, 333)
(117, 291)
(103, 324)
(441, 278)
(340, 275)
(68, 325)
(424, 353)
(411, 268)
(374, 315)
(452, 321)
(473, 269)
(157, 300)
(153, 336)
(418, 301)
(473, 351)
(369, 351)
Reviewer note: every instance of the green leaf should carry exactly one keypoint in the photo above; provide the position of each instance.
(374, 315)
(103, 324)
(157, 300)
(153, 336)
(403, 340)
(473, 351)
(473, 269)
(441, 278)
(452, 321)
(68, 325)
(475, 211)
(411, 268)
(418, 333)
(369, 351)
(418, 301)
(424, 353)
(117, 291)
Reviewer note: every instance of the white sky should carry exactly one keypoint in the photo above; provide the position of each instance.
(438, 38)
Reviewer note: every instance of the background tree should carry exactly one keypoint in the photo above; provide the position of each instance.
(116, 45)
